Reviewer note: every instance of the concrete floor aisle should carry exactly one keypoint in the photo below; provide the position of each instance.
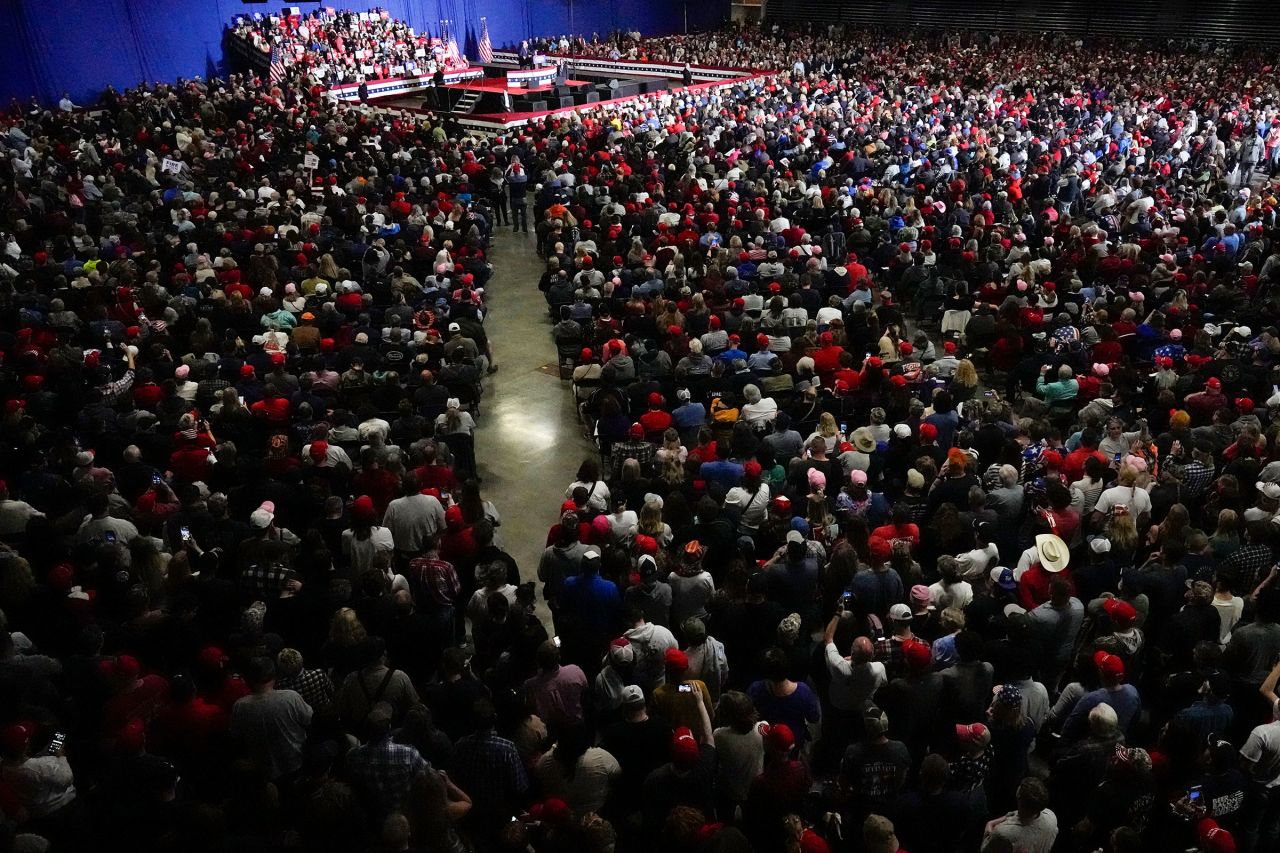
(528, 441)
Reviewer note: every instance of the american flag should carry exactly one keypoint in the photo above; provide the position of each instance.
(485, 47)
(276, 73)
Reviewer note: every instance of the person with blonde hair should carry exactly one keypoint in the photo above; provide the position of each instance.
(344, 650)
(1125, 493)
(651, 523)
(827, 430)
(1226, 536)
(964, 382)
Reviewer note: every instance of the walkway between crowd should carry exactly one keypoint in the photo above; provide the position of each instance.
(528, 439)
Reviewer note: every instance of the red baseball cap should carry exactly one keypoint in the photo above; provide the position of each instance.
(684, 748)
(362, 508)
(779, 738)
(1213, 838)
(676, 660)
(917, 654)
(971, 734)
(646, 544)
(15, 736)
(1121, 613)
(1108, 664)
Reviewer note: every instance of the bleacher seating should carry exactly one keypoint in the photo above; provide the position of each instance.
(1252, 20)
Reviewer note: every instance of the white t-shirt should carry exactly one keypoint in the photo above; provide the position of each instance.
(361, 551)
(1138, 501)
(765, 410)
(620, 525)
(753, 507)
(14, 516)
(1229, 613)
(853, 685)
(597, 494)
(1263, 749)
(974, 564)
(589, 787)
(959, 594)
(1035, 835)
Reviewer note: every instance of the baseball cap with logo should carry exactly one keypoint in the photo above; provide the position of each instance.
(779, 738)
(1003, 578)
(1108, 664)
(621, 653)
(632, 695)
(684, 748)
(973, 735)
(1121, 613)
(900, 613)
(1213, 838)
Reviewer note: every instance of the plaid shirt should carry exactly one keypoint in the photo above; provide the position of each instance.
(433, 580)
(313, 685)
(889, 652)
(264, 579)
(1247, 563)
(1196, 477)
(114, 390)
(489, 769)
(384, 770)
(630, 448)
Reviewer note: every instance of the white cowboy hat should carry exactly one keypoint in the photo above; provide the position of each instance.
(1053, 552)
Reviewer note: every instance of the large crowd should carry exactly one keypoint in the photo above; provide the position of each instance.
(935, 505)
(332, 47)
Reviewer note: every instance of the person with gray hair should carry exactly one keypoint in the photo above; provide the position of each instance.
(491, 578)
(1064, 389)
(1007, 500)
(758, 410)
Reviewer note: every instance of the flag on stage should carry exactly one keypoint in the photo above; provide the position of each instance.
(276, 73)
(485, 47)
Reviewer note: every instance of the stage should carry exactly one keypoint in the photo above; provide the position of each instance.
(485, 101)
(499, 85)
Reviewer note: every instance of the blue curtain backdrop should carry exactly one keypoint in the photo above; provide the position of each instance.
(48, 47)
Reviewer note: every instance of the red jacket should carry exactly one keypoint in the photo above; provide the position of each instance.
(1033, 586)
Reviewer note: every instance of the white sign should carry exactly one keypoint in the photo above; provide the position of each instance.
(173, 166)
(310, 161)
